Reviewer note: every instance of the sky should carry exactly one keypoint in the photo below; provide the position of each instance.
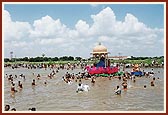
(75, 29)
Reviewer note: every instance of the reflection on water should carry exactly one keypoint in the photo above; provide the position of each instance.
(56, 95)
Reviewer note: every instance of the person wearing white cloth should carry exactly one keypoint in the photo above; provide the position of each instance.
(117, 91)
(79, 88)
(82, 87)
(86, 87)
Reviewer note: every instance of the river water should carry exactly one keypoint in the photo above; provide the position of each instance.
(59, 96)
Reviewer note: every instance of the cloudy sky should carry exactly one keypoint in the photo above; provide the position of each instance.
(75, 29)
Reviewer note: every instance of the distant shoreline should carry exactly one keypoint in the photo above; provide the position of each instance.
(129, 64)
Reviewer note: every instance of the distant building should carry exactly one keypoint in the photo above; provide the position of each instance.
(100, 52)
(119, 57)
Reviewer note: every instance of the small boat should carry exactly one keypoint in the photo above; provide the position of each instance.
(136, 73)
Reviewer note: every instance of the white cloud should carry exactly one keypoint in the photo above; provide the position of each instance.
(15, 30)
(103, 22)
(131, 37)
(104, 39)
(6, 16)
(51, 41)
(46, 27)
(82, 28)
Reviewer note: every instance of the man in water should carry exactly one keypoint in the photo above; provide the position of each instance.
(13, 90)
(7, 107)
(80, 87)
(32, 109)
(152, 83)
(13, 109)
(93, 80)
(117, 91)
(33, 83)
(86, 87)
(20, 86)
(124, 84)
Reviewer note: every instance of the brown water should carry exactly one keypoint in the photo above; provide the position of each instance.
(60, 96)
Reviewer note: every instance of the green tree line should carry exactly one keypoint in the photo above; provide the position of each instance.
(138, 60)
(43, 59)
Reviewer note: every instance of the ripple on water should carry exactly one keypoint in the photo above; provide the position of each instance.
(59, 96)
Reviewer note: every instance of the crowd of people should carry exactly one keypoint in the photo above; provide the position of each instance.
(69, 78)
